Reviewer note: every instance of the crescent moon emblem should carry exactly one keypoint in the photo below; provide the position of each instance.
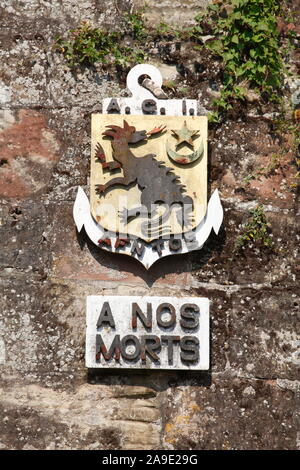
(185, 159)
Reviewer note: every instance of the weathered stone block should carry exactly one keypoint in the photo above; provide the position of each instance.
(29, 151)
(232, 414)
(172, 12)
(269, 346)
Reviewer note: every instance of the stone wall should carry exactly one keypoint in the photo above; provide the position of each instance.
(172, 12)
(248, 400)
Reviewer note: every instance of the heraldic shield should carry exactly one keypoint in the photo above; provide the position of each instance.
(148, 180)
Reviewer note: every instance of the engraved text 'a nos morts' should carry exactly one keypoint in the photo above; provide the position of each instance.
(147, 332)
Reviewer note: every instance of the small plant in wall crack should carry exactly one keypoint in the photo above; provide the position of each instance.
(275, 162)
(257, 230)
(88, 45)
(135, 24)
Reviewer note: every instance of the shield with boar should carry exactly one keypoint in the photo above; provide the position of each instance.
(148, 180)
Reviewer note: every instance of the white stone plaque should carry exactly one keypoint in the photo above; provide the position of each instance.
(147, 332)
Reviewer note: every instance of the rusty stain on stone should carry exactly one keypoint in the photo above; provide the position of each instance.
(32, 156)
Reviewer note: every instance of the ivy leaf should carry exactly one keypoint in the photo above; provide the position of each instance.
(262, 68)
(228, 56)
(215, 46)
(261, 26)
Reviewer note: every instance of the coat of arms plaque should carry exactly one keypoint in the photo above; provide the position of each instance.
(148, 181)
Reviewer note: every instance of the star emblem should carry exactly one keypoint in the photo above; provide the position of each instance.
(184, 135)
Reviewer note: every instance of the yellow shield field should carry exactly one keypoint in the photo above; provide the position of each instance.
(148, 172)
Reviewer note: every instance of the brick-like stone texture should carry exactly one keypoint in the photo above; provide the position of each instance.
(172, 12)
(250, 396)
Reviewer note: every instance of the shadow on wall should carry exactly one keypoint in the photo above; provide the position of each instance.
(175, 264)
(159, 381)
